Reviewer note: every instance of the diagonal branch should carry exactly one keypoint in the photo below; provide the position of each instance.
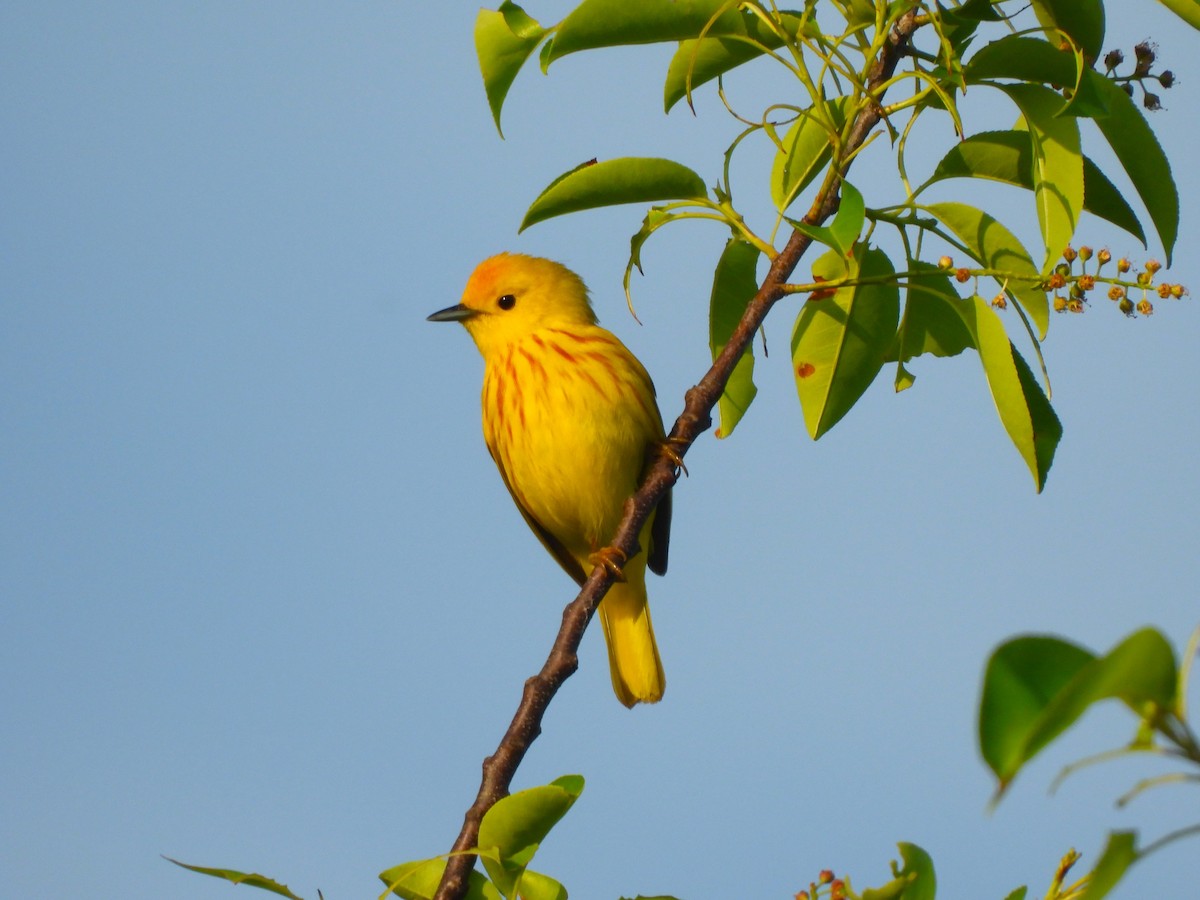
(500, 768)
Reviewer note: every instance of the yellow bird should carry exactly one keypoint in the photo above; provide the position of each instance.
(570, 419)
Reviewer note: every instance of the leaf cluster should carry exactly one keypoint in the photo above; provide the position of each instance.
(869, 304)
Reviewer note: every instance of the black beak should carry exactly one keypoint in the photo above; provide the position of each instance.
(455, 313)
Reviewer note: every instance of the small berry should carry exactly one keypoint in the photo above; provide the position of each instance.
(945, 262)
(1178, 290)
(1069, 254)
(1075, 305)
(1144, 279)
(1000, 301)
(1145, 307)
(962, 275)
(1164, 290)
(1060, 303)
(1063, 269)
(1116, 292)
(1127, 88)
(1103, 256)
(1087, 282)
(1112, 59)
(1056, 281)
(1151, 102)
(825, 876)
(837, 890)
(1167, 79)
(1123, 265)
(1126, 306)
(1085, 253)
(1152, 266)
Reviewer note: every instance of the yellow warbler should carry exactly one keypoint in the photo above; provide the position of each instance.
(569, 417)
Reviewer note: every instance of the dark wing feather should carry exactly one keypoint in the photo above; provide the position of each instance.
(660, 536)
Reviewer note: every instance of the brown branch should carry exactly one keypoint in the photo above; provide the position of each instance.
(500, 768)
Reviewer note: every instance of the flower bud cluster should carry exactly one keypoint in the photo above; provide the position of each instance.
(1078, 285)
(1144, 54)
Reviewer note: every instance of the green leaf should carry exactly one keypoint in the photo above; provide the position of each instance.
(848, 222)
(1022, 676)
(1081, 20)
(698, 61)
(918, 868)
(1057, 165)
(1139, 671)
(931, 323)
(1119, 854)
(1035, 60)
(1007, 156)
(536, 886)
(840, 341)
(1024, 410)
(419, 880)
(614, 23)
(1024, 58)
(806, 151)
(914, 881)
(1036, 688)
(735, 282)
(1018, 893)
(251, 880)
(517, 824)
(994, 246)
(613, 182)
(1139, 153)
(1188, 10)
(503, 41)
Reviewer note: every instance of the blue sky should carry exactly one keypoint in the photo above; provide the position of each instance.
(267, 604)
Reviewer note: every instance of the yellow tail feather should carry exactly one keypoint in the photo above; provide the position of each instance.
(637, 672)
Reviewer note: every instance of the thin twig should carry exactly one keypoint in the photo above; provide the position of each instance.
(500, 768)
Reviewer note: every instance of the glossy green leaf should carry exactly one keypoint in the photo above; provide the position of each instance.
(1057, 165)
(918, 867)
(250, 880)
(1138, 151)
(1024, 411)
(840, 341)
(735, 282)
(1040, 62)
(517, 824)
(1007, 156)
(503, 41)
(1188, 10)
(994, 246)
(419, 880)
(630, 179)
(931, 322)
(1018, 893)
(614, 23)
(806, 151)
(1081, 20)
(1119, 854)
(1139, 671)
(1037, 688)
(848, 222)
(1022, 676)
(1024, 58)
(536, 886)
(698, 61)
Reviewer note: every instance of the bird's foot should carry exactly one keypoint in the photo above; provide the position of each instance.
(667, 448)
(613, 561)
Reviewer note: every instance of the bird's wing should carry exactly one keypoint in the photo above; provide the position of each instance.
(660, 536)
(555, 547)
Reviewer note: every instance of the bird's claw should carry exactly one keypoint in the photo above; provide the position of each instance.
(613, 561)
(667, 448)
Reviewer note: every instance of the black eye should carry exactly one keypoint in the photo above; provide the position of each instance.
(508, 301)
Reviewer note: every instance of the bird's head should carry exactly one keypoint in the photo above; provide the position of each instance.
(510, 295)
